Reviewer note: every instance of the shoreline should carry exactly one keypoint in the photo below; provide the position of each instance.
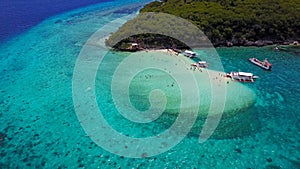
(259, 43)
(165, 46)
(171, 51)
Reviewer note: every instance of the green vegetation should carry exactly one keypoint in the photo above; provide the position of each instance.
(240, 22)
(158, 30)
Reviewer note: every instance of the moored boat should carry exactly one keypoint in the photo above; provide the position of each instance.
(241, 76)
(201, 64)
(263, 64)
(189, 53)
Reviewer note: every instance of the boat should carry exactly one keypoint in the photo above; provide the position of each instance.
(263, 64)
(241, 76)
(189, 54)
(201, 64)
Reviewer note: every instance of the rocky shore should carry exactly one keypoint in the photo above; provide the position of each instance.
(148, 43)
(258, 43)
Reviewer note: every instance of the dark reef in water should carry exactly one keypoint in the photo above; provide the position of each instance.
(2, 138)
(238, 150)
(271, 166)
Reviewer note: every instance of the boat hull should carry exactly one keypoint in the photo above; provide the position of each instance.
(235, 76)
(260, 64)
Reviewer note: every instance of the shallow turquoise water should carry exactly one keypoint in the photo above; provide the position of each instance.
(39, 127)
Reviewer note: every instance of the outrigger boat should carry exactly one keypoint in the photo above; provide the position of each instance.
(263, 64)
(241, 76)
(189, 54)
(201, 64)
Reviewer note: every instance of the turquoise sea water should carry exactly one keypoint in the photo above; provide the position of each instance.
(39, 127)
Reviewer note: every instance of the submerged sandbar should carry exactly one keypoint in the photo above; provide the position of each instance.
(162, 70)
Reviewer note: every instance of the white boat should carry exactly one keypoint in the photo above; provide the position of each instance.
(201, 64)
(189, 53)
(263, 64)
(241, 76)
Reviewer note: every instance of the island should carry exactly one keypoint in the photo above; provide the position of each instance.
(201, 25)
(224, 22)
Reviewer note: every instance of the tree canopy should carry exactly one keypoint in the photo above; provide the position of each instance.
(237, 21)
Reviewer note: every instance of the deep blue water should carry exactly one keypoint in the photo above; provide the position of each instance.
(17, 16)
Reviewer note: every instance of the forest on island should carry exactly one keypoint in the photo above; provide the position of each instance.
(232, 22)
